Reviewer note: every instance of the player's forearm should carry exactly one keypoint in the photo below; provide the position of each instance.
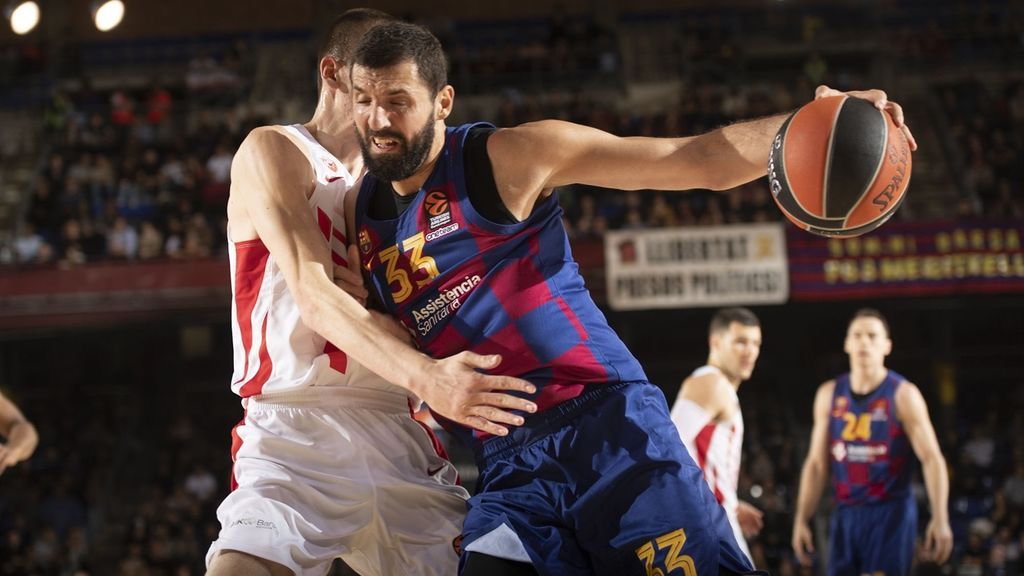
(936, 481)
(812, 484)
(738, 153)
(340, 319)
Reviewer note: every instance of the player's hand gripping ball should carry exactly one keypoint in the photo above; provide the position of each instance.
(839, 167)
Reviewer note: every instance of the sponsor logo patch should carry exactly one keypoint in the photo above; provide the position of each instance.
(438, 209)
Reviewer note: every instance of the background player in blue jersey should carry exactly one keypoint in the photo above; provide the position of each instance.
(868, 424)
(464, 243)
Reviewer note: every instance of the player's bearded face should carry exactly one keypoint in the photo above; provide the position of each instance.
(405, 157)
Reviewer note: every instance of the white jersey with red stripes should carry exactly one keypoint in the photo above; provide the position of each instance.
(716, 446)
(274, 351)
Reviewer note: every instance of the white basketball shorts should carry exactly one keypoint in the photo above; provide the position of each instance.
(341, 473)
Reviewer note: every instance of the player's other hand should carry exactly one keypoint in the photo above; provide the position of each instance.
(803, 543)
(750, 518)
(350, 278)
(455, 388)
(938, 541)
(880, 100)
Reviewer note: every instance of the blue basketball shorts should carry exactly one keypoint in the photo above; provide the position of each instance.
(876, 539)
(600, 485)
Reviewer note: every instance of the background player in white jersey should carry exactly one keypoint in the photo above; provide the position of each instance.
(20, 435)
(328, 460)
(708, 416)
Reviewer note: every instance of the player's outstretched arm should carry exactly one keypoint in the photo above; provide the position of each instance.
(21, 435)
(532, 159)
(813, 475)
(270, 176)
(912, 412)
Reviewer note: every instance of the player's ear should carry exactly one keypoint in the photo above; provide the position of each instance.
(332, 74)
(443, 102)
(713, 339)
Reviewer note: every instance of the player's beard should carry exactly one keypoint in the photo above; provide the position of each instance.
(397, 166)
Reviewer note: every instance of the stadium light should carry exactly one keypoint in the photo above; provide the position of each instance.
(107, 14)
(23, 15)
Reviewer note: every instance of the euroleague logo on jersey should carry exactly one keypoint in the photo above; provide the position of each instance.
(439, 214)
(880, 410)
(839, 407)
(437, 208)
(436, 203)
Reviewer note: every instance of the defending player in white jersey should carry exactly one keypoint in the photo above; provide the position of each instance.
(329, 462)
(708, 416)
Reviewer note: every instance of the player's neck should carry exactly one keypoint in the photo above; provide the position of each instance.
(735, 381)
(339, 138)
(864, 379)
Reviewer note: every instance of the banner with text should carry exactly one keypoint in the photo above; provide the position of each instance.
(909, 259)
(697, 266)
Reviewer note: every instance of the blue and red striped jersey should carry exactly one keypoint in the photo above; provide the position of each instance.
(459, 282)
(870, 453)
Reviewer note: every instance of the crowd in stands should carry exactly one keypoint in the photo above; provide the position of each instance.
(135, 179)
(144, 174)
(94, 500)
(987, 124)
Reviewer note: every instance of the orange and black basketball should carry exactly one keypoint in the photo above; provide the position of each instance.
(839, 167)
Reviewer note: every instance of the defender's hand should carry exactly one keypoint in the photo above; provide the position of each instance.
(456, 389)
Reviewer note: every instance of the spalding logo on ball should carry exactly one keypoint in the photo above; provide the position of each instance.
(839, 167)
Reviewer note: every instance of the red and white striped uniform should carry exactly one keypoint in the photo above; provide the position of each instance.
(274, 351)
(328, 461)
(716, 446)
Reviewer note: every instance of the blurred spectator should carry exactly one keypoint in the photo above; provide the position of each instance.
(1013, 487)
(200, 483)
(30, 248)
(151, 241)
(122, 240)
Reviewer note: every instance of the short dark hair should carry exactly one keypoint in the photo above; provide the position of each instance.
(347, 29)
(870, 313)
(726, 316)
(395, 42)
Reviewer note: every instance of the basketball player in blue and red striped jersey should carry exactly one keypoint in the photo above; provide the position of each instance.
(463, 239)
(868, 425)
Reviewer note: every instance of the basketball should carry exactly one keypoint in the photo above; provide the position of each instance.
(839, 167)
